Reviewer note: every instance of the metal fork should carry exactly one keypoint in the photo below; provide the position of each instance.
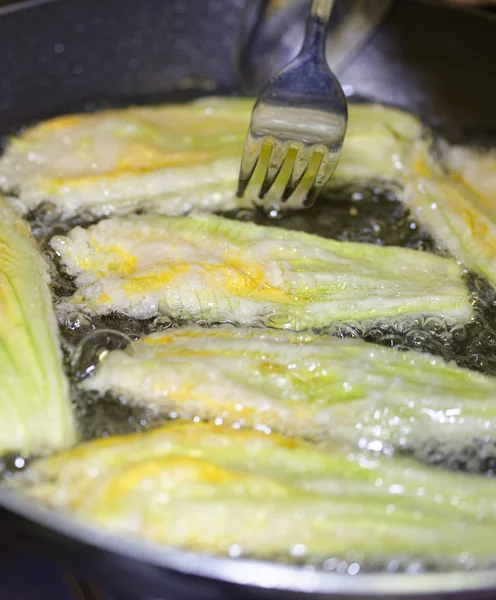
(298, 122)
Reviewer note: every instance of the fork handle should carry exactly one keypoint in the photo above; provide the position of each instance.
(322, 9)
(316, 30)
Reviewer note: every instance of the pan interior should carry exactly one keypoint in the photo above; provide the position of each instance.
(368, 213)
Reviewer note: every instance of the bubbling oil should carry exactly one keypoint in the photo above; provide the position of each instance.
(367, 213)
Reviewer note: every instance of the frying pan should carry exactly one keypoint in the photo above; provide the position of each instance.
(62, 55)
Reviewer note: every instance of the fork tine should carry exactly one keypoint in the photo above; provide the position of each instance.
(249, 161)
(298, 170)
(317, 183)
(274, 166)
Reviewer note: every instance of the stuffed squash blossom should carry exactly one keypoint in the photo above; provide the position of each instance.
(172, 158)
(35, 410)
(211, 488)
(302, 384)
(215, 270)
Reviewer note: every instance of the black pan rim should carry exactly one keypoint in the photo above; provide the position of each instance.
(23, 5)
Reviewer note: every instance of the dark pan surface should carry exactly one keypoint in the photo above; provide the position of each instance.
(439, 63)
(63, 55)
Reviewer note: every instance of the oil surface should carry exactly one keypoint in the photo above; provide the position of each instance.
(368, 214)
